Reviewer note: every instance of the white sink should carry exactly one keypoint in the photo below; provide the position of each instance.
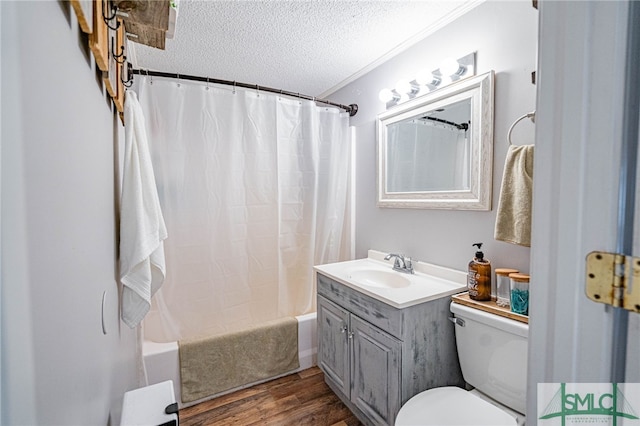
(375, 277)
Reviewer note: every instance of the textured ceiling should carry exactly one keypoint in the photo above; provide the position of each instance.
(309, 46)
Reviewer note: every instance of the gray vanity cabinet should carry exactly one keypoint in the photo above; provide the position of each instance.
(375, 356)
(333, 344)
(375, 377)
(362, 361)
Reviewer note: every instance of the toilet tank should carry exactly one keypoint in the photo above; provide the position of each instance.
(493, 355)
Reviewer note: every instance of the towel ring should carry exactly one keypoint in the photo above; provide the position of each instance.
(531, 115)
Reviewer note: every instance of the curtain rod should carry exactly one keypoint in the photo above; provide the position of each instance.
(461, 126)
(351, 109)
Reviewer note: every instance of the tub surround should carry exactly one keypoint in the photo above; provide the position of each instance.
(161, 360)
(377, 349)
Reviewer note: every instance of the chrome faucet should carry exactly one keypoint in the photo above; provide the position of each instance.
(401, 263)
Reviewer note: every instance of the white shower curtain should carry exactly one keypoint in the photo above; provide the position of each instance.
(254, 188)
(432, 157)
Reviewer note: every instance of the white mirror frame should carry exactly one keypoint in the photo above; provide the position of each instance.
(479, 90)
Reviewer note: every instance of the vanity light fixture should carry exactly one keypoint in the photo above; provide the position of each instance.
(449, 71)
(428, 78)
(451, 67)
(389, 96)
(405, 87)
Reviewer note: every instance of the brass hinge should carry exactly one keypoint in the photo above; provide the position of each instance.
(614, 279)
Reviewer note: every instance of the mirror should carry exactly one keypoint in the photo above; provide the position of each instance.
(436, 151)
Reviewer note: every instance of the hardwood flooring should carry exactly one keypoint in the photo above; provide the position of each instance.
(300, 399)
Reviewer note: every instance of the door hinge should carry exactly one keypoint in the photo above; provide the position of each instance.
(614, 279)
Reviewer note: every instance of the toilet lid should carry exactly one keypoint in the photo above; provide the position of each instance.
(451, 406)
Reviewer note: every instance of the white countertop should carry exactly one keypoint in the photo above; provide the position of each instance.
(429, 281)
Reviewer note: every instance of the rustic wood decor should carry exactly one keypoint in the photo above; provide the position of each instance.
(120, 70)
(146, 35)
(110, 76)
(147, 21)
(99, 38)
(84, 12)
(489, 306)
(107, 44)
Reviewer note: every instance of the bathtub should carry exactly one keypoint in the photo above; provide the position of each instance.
(161, 359)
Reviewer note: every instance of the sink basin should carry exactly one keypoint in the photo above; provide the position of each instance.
(378, 278)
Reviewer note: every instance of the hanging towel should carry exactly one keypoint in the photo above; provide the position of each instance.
(513, 222)
(142, 228)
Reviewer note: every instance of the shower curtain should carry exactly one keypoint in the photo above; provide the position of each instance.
(432, 157)
(254, 189)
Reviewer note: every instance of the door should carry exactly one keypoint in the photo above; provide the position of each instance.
(375, 376)
(333, 345)
(577, 207)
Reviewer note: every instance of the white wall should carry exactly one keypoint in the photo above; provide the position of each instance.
(59, 227)
(504, 34)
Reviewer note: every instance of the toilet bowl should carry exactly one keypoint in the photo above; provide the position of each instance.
(452, 406)
(493, 358)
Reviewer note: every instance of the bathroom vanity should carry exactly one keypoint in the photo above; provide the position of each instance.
(384, 336)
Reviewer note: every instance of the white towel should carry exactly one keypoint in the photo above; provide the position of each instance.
(513, 220)
(142, 228)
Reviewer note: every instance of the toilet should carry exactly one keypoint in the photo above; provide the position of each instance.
(493, 358)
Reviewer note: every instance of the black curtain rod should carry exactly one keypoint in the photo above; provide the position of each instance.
(351, 109)
(462, 126)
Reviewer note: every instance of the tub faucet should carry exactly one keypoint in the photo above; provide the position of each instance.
(401, 263)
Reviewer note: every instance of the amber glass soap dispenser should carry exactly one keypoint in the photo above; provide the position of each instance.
(479, 278)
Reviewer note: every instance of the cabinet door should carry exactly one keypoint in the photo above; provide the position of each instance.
(376, 372)
(333, 343)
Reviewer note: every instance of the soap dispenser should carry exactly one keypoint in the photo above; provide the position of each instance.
(479, 277)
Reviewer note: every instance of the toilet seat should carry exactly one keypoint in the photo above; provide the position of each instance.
(451, 406)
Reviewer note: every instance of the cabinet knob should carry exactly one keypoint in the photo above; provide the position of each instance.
(343, 329)
(350, 335)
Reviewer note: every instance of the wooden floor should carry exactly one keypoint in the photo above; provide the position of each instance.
(299, 399)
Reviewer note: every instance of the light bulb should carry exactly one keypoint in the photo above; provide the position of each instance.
(451, 67)
(428, 78)
(387, 95)
(405, 87)
(423, 77)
